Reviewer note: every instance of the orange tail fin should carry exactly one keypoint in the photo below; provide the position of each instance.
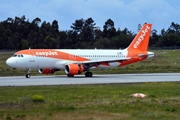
(141, 41)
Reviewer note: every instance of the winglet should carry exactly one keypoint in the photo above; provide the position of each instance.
(141, 41)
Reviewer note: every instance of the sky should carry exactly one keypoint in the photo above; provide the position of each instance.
(124, 13)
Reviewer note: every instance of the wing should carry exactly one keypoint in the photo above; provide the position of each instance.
(107, 60)
(92, 63)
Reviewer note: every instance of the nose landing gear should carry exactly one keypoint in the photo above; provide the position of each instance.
(28, 75)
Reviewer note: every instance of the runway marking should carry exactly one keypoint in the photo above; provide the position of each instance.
(96, 79)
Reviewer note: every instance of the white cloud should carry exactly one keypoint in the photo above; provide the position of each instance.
(124, 13)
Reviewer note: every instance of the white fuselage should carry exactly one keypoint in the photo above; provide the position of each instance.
(38, 60)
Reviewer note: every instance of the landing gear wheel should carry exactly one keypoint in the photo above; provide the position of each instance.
(88, 74)
(28, 75)
(70, 75)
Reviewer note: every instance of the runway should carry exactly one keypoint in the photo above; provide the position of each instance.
(96, 79)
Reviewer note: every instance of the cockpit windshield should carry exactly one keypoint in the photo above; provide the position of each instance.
(15, 55)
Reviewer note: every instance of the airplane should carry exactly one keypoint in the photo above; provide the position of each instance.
(77, 61)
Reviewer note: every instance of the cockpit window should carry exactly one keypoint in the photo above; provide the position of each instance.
(14, 55)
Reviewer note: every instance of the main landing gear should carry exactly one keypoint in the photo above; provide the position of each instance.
(28, 75)
(88, 74)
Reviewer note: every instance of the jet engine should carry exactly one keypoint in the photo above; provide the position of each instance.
(73, 69)
(47, 71)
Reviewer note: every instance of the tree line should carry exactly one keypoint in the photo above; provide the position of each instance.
(19, 33)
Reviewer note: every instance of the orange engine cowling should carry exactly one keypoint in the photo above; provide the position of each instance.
(73, 69)
(47, 71)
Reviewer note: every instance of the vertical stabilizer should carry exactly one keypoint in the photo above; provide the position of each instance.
(141, 41)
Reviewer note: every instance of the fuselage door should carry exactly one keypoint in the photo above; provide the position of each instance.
(129, 55)
(31, 56)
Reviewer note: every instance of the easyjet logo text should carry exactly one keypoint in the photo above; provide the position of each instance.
(141, 38)
(46, 53)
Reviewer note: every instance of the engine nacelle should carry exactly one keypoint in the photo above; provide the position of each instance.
(74, 69)
(47, 71)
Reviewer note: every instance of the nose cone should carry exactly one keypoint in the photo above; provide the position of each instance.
(9, 62)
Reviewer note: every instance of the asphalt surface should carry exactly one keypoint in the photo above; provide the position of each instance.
(96, 79)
